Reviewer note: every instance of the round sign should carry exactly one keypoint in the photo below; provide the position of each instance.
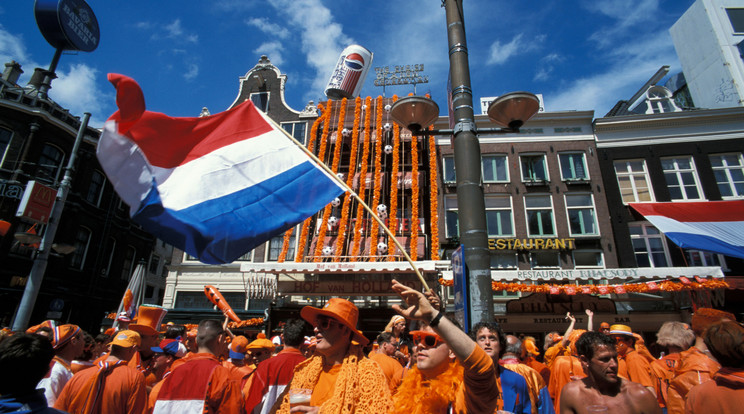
(67, 24)
(56, 304)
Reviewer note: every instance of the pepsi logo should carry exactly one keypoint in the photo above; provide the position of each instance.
(354, 61)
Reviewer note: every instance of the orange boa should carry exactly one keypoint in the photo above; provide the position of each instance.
(417, 395)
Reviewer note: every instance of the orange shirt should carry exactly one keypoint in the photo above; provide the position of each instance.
(325, 386)
(636, 368)
(723, 395)
(564, 370)
(479, 390)
(694, 368)
(123, 391)
(539, 367)
(392, 369)
(662, 372)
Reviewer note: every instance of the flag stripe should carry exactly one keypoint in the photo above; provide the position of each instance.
(730, 232)
(706, 211)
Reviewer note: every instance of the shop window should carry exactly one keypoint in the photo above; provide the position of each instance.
(681, 178)
(452, 229)
(296, 130)
(276, 244)
(539, 210)
(448, 166)
(494, 168)
(499, 216)
(534, 168)
(588, 259)
(632, 177)
(82, 243)
(95, 189)
(729, 172)
(573, 166)
(582, 220)
(649, 245)
(540, 260)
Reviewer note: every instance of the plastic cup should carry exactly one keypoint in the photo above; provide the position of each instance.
(299, 396)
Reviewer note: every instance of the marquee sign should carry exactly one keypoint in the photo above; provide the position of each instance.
(400, 75)
(531, 244)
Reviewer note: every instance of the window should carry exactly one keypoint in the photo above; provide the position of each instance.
(448, 165)
(632, 178)
(95, 189)
(452, 229)
(248, 257)
(544, 259)
(701, 258)
(276, 244)
(533, 168)
(649, 245)
(5, 136)
(539, 215)
(82, 241)
(109, 256)
(494, 168)
(154, 264)
(588, 259)
(261, 100)
(50, 164)
(127, 267)
(681, 178)
(503, 261)
(499, 216)
(198, 300)
(296, 129)
(582, 221)
(729, 172)
(736, 16)
(573, 166)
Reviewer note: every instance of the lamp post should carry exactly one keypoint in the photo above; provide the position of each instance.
(510, 111)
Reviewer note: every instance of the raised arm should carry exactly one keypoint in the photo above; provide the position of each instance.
(590, 322)
(420, 308)
(570, 329)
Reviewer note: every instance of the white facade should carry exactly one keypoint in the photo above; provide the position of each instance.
(707, 39)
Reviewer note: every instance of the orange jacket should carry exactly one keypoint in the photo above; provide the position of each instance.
(694, 368)
(723, 395)
(122, 392)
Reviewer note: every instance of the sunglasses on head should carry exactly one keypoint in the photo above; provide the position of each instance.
(324, 322)
(429, 339)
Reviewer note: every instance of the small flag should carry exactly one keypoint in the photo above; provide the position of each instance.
(215, 187)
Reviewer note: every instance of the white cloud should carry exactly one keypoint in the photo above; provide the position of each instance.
(546, 65)
(77, 91)
(500, 53)
(273, 50)
(264, 25)
(626, 14)
(12, 48)
(192, 72)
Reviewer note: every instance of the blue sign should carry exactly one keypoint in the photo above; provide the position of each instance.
(67, 24)
(459, 274)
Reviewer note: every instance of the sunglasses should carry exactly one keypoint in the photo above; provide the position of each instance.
(430, 340)
(324, 322)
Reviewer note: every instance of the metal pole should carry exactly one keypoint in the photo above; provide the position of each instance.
(35, 277)
(470, 203)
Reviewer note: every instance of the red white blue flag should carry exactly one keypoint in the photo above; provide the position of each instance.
(713, 226)
(215, 187)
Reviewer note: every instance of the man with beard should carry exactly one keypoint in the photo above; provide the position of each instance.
(602, 387)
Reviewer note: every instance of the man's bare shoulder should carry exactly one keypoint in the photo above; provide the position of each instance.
(642, 399)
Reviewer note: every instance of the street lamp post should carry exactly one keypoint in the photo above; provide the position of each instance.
(510, 111)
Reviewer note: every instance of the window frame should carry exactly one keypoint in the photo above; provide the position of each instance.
(447, 161)
(534, 253)
(450, 205)
(280, 238)
(495, 157)
(41, 167)
(509, 210)
(596, 251)
(527, 215)
(544, 160)
(96, 198)
(730, 182)
(646, 236)
(677, 172)
(631, 174)
(268, 99)
(111, 252)
(293, 130)
(81, 249)
(583, 161)
(132, 259)
(704, 261)
(4, 150)
(593, 211)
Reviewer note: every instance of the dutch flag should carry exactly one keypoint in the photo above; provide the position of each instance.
(215, 187)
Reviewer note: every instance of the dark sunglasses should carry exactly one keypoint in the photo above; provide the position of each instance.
(429, 339)
(324, 322)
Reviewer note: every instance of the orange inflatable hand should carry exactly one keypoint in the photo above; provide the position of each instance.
(214, 296)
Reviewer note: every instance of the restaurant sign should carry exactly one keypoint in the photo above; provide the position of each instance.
(370, 286)
(531, 244)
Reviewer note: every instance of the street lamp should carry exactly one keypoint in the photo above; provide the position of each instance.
(510, 111)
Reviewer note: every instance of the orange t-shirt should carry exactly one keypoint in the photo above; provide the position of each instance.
(564, 370)
(662, 372)
(636, 368)
(123, 391)
(323, 390)
(392, 369)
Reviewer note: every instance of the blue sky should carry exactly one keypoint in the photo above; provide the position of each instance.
(580, 54)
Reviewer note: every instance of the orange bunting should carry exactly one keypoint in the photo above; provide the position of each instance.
(571, 289)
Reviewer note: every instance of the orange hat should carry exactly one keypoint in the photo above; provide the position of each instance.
(127, 339)
(342, 311)
(530, 346)
(63, 334)
(261, 343)
(604, 325)
(109, 331)
(239, 344)
(148, 319)
(704, 317)
(621, 330)
(46, 324)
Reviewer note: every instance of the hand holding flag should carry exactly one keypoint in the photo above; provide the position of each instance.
(215, 187)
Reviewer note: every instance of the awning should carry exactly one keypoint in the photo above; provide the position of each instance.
(712, 226)
(428, 266)
(654, 273)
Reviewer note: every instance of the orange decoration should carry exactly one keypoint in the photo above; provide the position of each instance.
(379, 134)
(393, 210)
(414, 198)
(665, 286)
(433, 198)
(341, 238)
(325, 138)
(362, 179)
(306, 224)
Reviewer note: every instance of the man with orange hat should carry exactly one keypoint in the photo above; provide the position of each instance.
(694, 366)
(200, 384)
(68, 344)
(111, 387)
(339, 375)
(259, 350)
(235, 362)
(631, 364)
(147, 323)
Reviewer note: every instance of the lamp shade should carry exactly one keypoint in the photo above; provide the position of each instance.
(513, 109)
(414, 112)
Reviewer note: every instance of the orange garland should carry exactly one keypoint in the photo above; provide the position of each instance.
(285, 245)
(341, 238)
(311, 147)
(325, 138)
(571, 289)
(362, 180)
(393, 210)
(379, 133)
(433, 194)
(414, 198)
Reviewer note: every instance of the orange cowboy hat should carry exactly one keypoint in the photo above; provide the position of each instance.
(342, 311)
(148, 320)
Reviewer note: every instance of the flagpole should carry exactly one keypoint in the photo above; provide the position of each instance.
(356, 196)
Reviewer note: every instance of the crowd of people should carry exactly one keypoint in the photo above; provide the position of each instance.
(422, 362)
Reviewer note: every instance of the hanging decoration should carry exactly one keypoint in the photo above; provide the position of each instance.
(414, 198)
(433, 198)
(379, 138)
(572, 289)
(358, 225)
(393, 217)
(341, 239)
